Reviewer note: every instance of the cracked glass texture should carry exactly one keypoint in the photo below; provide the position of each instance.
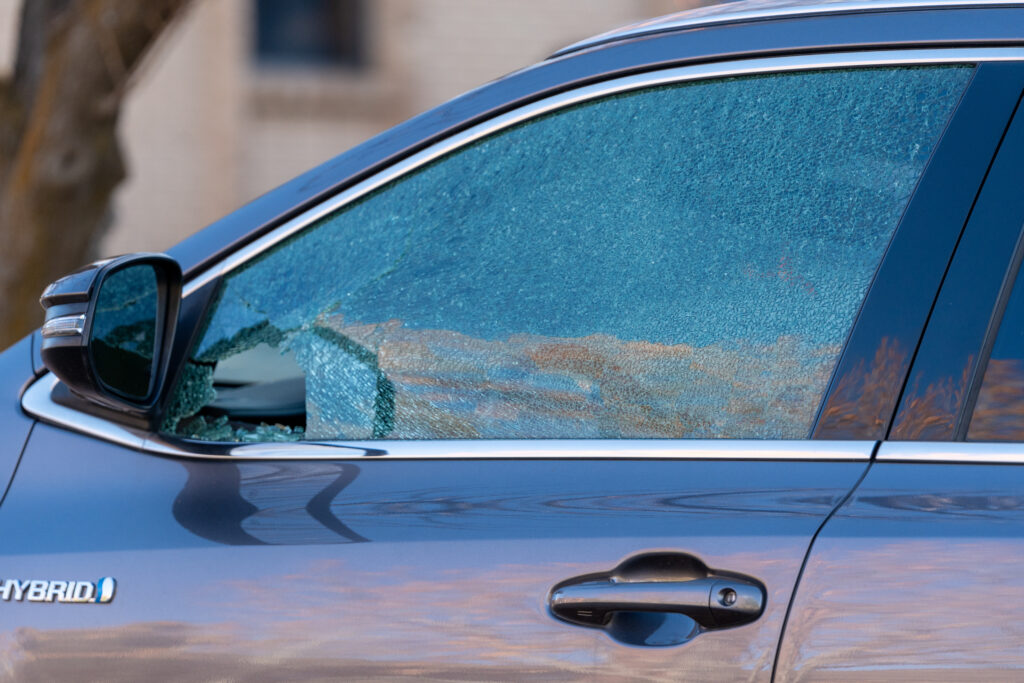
(677, 262)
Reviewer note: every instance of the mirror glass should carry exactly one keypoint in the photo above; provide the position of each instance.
(124, 324)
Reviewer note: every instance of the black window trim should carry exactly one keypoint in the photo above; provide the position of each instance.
(969, 307)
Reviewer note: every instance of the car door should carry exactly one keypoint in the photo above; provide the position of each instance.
(917, 576)
(534, 403)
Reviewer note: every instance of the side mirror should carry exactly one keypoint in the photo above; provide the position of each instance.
(109, 329)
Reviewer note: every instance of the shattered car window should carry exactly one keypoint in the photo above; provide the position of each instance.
(683, 261)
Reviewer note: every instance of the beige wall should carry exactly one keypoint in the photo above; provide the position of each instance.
(204, 130)
(182, 131)
(8, 33)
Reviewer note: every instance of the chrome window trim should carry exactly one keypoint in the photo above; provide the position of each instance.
(959, 452)
(37, 401)
(758, 11)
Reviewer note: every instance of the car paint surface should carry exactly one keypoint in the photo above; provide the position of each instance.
(916, 578)
(15, 425)
(385, 568)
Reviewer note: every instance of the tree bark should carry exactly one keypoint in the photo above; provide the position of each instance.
(60, 160)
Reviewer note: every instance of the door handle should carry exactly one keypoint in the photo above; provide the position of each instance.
(711, 602)
(658, 599)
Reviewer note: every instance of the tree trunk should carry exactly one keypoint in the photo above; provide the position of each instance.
(59, 156)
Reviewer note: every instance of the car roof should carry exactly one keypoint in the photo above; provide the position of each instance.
(754, 10)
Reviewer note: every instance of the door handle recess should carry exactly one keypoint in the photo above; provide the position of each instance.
(711, 602)
(658, 599)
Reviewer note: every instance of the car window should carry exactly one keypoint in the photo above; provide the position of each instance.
(999, 410)
(680, 261)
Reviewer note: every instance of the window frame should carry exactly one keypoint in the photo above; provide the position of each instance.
(970, 308)
(199, 290)
(965, 318)
(898, 312)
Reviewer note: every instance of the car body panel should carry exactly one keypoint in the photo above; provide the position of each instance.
(916, 578)
(386, 568)
(15, 425)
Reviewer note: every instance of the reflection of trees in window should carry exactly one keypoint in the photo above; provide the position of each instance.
(310, 32)
(999, 411)
(444, 384)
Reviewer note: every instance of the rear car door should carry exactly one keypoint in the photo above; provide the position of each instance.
(917, 576)
(535, 403)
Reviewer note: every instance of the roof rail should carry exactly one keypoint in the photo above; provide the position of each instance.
(754, 10)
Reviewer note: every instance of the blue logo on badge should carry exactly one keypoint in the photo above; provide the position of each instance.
(105, 588)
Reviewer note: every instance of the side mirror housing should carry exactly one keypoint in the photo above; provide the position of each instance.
(109, 330)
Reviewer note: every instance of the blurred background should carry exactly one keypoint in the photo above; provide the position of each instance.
(197, 106)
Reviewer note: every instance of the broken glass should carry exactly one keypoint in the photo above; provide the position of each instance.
(683, 261)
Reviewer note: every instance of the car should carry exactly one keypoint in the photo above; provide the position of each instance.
(691, 352)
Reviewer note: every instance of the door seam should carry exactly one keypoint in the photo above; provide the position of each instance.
(807, 555)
